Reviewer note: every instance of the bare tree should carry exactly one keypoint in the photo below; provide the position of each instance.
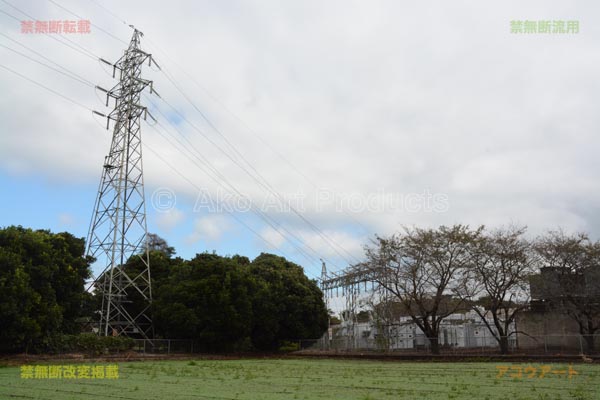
(423, 268)
(569, 281)
(498, 281)
(383, 315)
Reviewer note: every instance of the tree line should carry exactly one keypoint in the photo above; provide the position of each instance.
(42, 294)
(232, 303)
(224, 303)
(433, 273)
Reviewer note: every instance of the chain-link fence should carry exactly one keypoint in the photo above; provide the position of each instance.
(408, 344)
(164, 346)
(521, 343)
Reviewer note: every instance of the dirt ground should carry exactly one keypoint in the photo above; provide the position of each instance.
(19, 359)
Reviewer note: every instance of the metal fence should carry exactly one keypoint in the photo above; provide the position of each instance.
(522, 344)
(164, 346)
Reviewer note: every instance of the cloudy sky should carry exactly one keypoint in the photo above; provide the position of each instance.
(362, 116)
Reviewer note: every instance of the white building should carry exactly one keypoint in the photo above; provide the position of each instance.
(460, 330)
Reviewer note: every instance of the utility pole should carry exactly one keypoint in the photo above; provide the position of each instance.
(118, 229)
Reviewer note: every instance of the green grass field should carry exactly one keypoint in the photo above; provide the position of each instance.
(309, 379)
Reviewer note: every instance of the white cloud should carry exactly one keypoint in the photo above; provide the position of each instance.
(66, 219)
(169, 219)
(274, 237)
(358, 96)
(209, 228)
(334, 244)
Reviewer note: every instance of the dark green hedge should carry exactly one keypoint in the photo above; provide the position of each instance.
(89, 343)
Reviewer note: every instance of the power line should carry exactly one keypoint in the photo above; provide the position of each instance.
(257, 212)
(80, 79)
(68, 74)
(229, 156)
(332, 243)
(267, 219)
(80, 49)
(46, 88)
(94, 25)
(110, 12)
(260, 180)
(262, 183)
(240, 221)
(246, 126)
(230, 187)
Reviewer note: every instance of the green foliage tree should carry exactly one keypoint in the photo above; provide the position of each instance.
(288, 305)
(207, 299)
(157, 243)
(161, 265)
(224, 303)
(230, 303)
(42, 276)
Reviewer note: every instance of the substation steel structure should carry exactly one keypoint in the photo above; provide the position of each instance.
(118, 230)
(350, 282)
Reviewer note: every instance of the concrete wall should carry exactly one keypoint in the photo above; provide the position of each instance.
(547, 331)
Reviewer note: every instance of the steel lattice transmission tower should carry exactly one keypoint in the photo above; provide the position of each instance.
(118, 228)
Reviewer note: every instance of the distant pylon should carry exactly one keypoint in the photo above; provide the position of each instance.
(118, 229)
(323, 286)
